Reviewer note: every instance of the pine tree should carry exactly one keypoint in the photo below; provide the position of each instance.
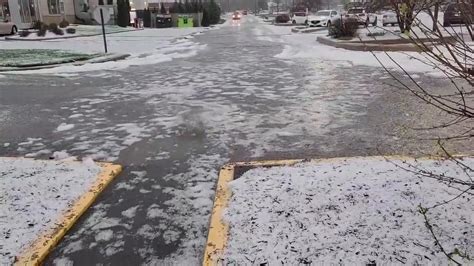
(181, 7)
(205, 18)
(123, 15)
(162, 8)
(146, 18)
(195, 6)
(188, 8)
(200, 6)
(127, 12)
(175, 7)
(214, 12)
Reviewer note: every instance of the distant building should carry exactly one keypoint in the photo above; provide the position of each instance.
(24, 12)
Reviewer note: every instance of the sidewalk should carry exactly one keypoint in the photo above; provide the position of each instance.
(355, 210)
(41, 200)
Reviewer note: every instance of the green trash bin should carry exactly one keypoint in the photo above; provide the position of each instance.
(185, 22)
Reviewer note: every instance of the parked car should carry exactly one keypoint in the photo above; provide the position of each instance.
(454, 15)
(323, 18)
(7, 27)
(282, 18)
(299, 18)
(236, 15)
(363, 17)
(244, 12)
(389, 18)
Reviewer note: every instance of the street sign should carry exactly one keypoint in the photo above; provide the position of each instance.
(105, 13)
(102, 15)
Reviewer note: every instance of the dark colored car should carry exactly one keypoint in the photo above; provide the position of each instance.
(244, 12)
(282, 18)
(458, 14)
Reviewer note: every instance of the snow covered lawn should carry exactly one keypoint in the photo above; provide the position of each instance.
(349, 210)
(81, 30)
(148, 46)
(35, 197)
(305, 47)
(36, 57)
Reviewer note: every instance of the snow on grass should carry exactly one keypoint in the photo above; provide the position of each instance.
(34, 194)
(305, 46)
(81, 30)
(142, 41)
(162, 52)
(34, 57)
(148, 46)
(354, 211)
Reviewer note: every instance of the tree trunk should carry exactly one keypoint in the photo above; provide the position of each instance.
(435, 16)
(408, 22)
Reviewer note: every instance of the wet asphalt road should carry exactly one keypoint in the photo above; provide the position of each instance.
(172, 125)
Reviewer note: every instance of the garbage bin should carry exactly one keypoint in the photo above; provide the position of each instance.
(163, 22)
(185, 22)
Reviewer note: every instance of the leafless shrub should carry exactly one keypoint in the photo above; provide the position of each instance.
(447, 49)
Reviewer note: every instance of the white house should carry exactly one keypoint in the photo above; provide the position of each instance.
(24, 12)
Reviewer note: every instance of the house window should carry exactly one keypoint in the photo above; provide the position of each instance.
(54, 7)
(101, 2)
(110, 2)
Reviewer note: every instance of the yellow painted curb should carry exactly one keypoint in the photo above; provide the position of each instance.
(39, 249)
(218, 229)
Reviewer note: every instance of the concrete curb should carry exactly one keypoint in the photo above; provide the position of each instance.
(283, 24)
(308, 29)
(219, 229)
(13, 38)
(39, 249)
(370, 45)
(101, 59)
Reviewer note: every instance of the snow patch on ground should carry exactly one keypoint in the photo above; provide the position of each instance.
(104, 235)
(130, 213)
(64, 127)
(305, 46)
(62, 155)
(34, 194)
(355, 210)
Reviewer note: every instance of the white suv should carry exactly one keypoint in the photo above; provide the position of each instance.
(323, 18)
(362, 16)
(299, 18)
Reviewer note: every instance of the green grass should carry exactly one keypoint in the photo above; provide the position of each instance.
(39, 57)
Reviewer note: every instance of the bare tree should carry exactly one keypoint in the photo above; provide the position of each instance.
(448, 50)
(407, 10)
